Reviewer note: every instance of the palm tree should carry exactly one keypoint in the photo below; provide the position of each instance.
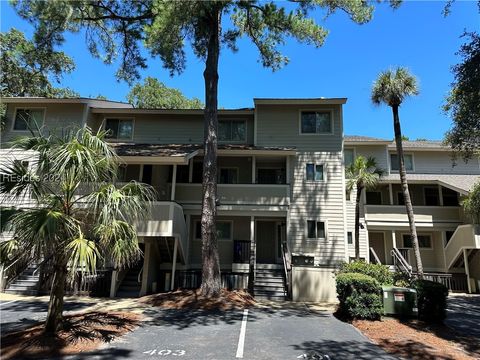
(81, 217)
(391, 88)
(363, 173)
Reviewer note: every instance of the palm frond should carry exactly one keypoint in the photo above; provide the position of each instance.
(393, 86)
(363, 172)
(83, 255)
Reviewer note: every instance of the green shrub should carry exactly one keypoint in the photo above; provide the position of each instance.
(379, 272)
(401, 279)
(359, 295)
(432, 300)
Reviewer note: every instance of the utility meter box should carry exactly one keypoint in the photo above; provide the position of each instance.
(399, 301)
(302, 260)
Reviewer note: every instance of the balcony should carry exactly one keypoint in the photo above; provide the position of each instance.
(237, 194)
(424, 215)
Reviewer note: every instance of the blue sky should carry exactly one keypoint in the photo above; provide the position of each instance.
(416, 36)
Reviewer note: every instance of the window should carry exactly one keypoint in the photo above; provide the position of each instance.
(232, 130)
(424, 241)
(316, 229)
(432, 197)
(373, 197)
(315, 122)
(348, 156)
(224, 230)
(228, 176)
(408, 159)
(120, 129)
(350, 238)
(400, 198)
(450, 197)
(26, 119)
(314, 172)
(348, 195)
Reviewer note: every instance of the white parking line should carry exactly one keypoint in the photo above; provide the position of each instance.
(241, 338)
(8, 302)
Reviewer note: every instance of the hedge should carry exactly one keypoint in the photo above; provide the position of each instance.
(432, 300)
(379, 272)
(359, 295)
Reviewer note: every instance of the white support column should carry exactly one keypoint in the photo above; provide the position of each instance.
(440, 195)
(174, 182)
(394, 239)
(390, 193)
(190, 171)
(113, 284)
(254, 166)
(467, 269)
(253, 250)
(443, 239)
(140, 175)
(174, 263)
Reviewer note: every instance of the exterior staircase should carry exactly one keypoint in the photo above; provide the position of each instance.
(269, 282)
(26, 283)
(130, 287)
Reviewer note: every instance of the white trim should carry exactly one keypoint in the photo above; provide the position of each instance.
(404, 154)
(44, 108)
(332, 122)
(325, 222)
(324, 168)
(120, 118)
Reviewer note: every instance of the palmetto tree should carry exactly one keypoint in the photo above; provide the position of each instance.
(391, 88)
(363, 173)
(80, 217)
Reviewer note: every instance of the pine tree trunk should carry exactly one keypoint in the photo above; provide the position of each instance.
(210, 261)
(357, 223)
(406, 193)
(57, 292)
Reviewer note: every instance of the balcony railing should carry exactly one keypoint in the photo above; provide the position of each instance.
(423, 214)
(237, 194)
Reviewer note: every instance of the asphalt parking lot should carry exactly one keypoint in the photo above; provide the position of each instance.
(288, 331)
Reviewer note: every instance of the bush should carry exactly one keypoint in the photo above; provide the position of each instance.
(432, 300)
(379, 272)
(359, 295)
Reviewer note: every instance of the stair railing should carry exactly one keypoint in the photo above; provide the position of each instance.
(375, 256)
(139, 278)
(400, 263)
(287, 266)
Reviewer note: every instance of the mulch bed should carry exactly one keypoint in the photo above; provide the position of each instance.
(192, 299)
(416, 340)
(81, 332)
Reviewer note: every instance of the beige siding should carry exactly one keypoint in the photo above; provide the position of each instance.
(168, 129)
(320, 201)
(350, 208)
(57, 118)
(440, 162)
(379, 152)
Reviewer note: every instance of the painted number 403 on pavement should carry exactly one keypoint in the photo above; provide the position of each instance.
(165, 352)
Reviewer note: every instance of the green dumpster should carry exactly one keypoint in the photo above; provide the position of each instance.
(399, 301)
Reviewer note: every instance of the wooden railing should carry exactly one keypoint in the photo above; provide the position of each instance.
(97, 285)
(192, 279)
(454, 282)
(241, 251)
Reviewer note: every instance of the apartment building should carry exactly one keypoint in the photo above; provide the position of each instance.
(284, 220)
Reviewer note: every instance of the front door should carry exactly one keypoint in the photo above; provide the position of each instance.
(377, 242)
(266, 239)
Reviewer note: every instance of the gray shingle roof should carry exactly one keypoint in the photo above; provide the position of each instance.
(361, 138)
(427, 144)
(462, 183)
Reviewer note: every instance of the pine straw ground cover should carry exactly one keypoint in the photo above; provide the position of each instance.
(192, 299)
(413, 339)
(81, 332)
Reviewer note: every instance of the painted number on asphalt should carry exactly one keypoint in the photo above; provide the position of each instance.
(313, 355)
(165, 352)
